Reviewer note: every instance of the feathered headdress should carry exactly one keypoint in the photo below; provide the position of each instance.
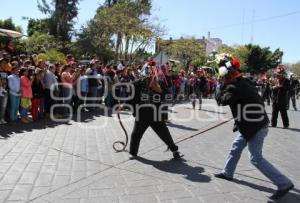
(226, 63)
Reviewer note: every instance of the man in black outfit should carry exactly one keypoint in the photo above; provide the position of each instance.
(147, 111)
(251, 120)
(280, 97)
(293, 90)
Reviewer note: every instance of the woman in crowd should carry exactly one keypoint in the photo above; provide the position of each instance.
(26, 95)
(67, 87)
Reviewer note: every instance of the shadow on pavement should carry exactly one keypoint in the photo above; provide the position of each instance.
(178, 167)
(294, 129)
(14, 128)
(291, 197)
(254, 186)
(209, 111)
(181, 127)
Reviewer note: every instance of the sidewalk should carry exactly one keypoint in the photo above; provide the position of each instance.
(76, 163)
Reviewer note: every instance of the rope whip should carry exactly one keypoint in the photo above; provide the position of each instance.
(120, 146)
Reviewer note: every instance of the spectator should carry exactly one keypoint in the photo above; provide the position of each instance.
(37, 93)
(50, 81)
(84, 88)
(67, 87)
(294, 85)
(3, 92)
(93, 81)
(7, 65)
(14, 91)
(26, 95)
(279, 99)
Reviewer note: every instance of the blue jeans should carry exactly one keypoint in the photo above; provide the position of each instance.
(23, 112)
(255, 146)
(15, 103)
(3, 105)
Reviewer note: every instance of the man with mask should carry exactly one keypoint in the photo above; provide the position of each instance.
(149, 112)
(251, 121)
(280, 97)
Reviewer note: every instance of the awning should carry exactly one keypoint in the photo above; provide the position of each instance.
(10, 33)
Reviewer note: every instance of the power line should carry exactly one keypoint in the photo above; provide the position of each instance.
(257, 20)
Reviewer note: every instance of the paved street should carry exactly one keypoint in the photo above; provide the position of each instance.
(74, 162)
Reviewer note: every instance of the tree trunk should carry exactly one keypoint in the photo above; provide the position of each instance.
(118, 43)
(127, 47)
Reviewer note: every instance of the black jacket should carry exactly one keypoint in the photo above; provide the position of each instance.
(246, 106)
(280, 95)
(144, 96)
(37, 89)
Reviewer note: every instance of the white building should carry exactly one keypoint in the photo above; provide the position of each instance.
(212, 44)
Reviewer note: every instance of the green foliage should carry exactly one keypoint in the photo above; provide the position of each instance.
(52, 56)
(93, 40)
(61, 17)
(19, 45)
(41, 43)
(38, 25)
(187, 50)
(261, 59)
(9, 24)
(295, 68)
(122, 26)
(254, 58)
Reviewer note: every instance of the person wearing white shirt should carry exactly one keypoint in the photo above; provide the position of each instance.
(50, 82)
(14, 91)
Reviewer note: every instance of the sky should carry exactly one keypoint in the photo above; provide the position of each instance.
(276, 22)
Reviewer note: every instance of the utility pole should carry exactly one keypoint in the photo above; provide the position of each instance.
(243, 25)
(252, 26)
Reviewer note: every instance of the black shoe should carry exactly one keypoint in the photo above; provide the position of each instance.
(280, 193)
(222, 176)
(132, 156)
(274, 126)
(285, 127)
(177, 155)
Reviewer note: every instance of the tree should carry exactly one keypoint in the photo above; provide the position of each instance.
(110, 3)
(9, 24)
(187, 50)
(295, 68)
(18, 44)
(93, 40)
(38, 25)
(52, 56)
(254, 58)
(41, 43)
(123, 26)
(261, 59)
(61, 17)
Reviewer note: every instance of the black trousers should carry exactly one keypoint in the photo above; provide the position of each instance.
(48, 100)
(293, 98)
(283, 112)
(159, 127)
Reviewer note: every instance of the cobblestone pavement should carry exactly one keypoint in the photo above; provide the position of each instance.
(74, 162)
